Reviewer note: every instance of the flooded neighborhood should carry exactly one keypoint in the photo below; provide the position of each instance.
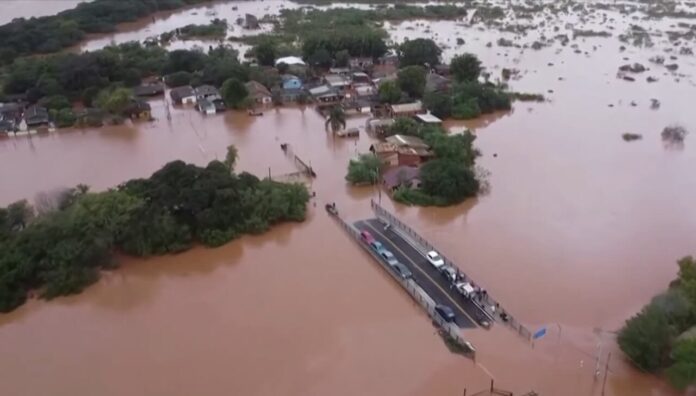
(579, 200)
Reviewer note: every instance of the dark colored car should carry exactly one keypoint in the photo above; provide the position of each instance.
(402, 270)
(445, 312)
(377, 246)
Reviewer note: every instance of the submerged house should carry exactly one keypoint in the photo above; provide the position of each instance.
(36, 117)
(325, 95)
(292, 88)
(210, 107)
(401, 150)
(138, 109)
(183, 95)
(362, 62)
(153, 89)
(259, 93)
(401, 176)
(207, 92)
(406, 109)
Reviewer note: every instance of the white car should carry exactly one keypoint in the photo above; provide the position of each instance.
(435, 259)
(465, 289)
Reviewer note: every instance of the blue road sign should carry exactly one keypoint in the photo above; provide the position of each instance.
(539, 333)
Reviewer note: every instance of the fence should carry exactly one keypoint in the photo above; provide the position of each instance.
(302, 166)
(487, 304)
(416, 292)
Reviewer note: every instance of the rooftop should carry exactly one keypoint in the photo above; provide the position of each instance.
(428, 119)
(407, 107)
(290, 60)
(407, 141)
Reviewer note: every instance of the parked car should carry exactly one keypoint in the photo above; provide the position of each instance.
(465, 289)
(435, 259)
(388, 257)
(402, 270)
(377, 246)
(367, 237)
(445, 312)
(449, 272)
(483, 321)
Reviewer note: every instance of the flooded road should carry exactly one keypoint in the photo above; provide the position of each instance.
(579, 230)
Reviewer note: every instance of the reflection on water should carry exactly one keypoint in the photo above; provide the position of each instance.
(580, 228)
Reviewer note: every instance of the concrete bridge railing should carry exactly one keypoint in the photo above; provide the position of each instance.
(487, 304)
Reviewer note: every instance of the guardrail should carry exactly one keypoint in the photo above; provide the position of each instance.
(487, 304)
(416, 292)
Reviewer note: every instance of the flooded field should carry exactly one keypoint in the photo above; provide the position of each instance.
(579, 230)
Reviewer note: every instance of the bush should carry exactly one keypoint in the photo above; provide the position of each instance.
(466, 110)
(178, 79)
(364, 170)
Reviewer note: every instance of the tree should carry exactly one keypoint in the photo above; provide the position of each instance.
(364, 170)
(450, 180)
(645, 338)
(265, 53)
(419, 52)
(114, 101)
(466, 67)
(389, 92)
(64, 118)
(321, 58)
(439, 103)
(687, 278)
(466, 110)
(234, 93)
(342, 58)
(336, 119)
(682, 372)
(231, 157)
(411, 80)
(55, 102)
(178, 79)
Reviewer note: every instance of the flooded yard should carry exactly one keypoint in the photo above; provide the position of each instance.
(578, 231)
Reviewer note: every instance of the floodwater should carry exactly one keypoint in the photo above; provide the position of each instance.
(578, 231)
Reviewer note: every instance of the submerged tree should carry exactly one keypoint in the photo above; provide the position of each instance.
(231, 157)
(336, 119)
(364, 170)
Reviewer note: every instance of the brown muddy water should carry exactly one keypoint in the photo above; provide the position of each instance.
(579, 230)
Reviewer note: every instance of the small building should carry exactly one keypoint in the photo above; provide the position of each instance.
(183, 95)
(406, 109)
(337, 81)
(428, 119)
(290, 61)
(364, 91)
(401, 176)
(356, 107)
(407, 141)
(378, 125)
(211, 106)
(259, 93)
(395, 155)
(251, 22)
(291, 82)
(153, 89)
(207, 92)
(341, 71)
(362, 62)
(36, 116)
(325, 95)
(138, 109)
(436, 83)
(361, 78)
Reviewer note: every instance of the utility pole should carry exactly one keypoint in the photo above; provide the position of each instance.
(606, 373)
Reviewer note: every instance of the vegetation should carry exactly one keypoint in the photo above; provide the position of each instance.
(234, 93)
(439, 103)
(419, 52)
(53, 33)
(390, 92)
(61, 246)
(526, 97)
(466, 67)
(411, 79)
(364, 170)
(629, 137)
(336, 119)
(659, 337)
(217, 28)
(450, 177)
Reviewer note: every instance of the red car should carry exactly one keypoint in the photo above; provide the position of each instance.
(367, 237)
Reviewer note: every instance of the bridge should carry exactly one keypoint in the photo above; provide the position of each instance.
(428, 283)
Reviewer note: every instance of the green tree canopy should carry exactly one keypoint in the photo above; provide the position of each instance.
(419, 52)
(439, 103)
(466, 67)
(364, 170)
(336, 119)
(234, 93)
(411, 80)
(114, 101)
(450, 180)
(389, 92)
(682, 372)
(265, 53)
(646, 338)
